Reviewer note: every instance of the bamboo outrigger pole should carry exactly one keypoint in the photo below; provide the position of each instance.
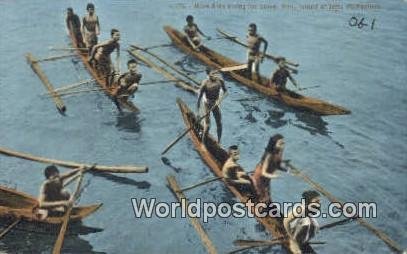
(72, 165)
(75, 85)
(182, 84)
(194, 221)
(52, 58)
(55, 96)
(172, 67)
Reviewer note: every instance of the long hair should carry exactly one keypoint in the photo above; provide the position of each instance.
(271, 146)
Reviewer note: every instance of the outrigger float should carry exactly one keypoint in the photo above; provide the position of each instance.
(17, 206)
(58, 93)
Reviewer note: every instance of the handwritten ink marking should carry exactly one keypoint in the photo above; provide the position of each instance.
(361, 22)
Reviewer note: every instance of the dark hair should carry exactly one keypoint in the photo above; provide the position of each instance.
(189, 18)
(131, 61)
(271, 146)
(309, 195)
(90, 6)
(50, 170)
(252, 25)
(69, 9)
(233, 147)
(114, 30)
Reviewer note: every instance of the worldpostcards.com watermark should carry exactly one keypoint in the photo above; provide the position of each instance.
(197, 209)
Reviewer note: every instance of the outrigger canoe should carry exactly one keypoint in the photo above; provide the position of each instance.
(287, 97)
(83, 53)
(19, 205)
(215, 156)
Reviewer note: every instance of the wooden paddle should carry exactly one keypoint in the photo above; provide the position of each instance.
(306, 88)
(247, 247)
(191, 127)
(12, 225)
(209, 180)
(172, 45)
(241, 242)
(263, 243)
(237, 41)
(60, 240)
(65, 48)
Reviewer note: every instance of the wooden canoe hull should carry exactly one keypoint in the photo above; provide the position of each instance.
(15, 204)
(101, 80)
(215, 156)
(289, 98)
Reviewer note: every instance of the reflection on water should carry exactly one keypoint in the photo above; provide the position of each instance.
(190, 65)
(167, 162)
(123, 180)
(129, 121)
(29, 238)
(275, 119)
(312, 123)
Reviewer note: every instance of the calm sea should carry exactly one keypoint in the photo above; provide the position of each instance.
(357, 157)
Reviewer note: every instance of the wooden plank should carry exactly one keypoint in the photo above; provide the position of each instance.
(234, 68)
(182, 84)
(55, 96)
(194, 221)
(70, 164)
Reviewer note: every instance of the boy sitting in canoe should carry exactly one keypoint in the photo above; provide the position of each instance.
(279, 77)
(301, 229)
(128, 82)
(234, 174)
(101, 53)
(53, 198)
(192, 31)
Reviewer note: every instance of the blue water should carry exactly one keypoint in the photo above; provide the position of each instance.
(358, 157)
